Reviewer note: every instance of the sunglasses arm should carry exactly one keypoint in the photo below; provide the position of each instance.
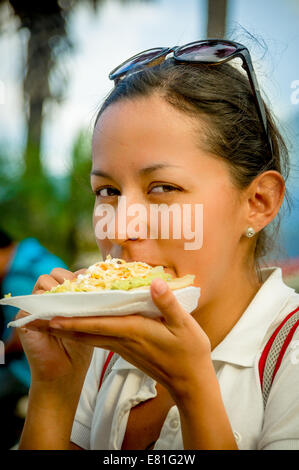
(248, 67)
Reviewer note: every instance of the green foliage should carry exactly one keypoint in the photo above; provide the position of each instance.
(56, 210)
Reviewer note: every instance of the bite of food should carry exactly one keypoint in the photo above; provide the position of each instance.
(117, 274)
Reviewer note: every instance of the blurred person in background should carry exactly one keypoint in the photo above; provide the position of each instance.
(178, 133)
(21, 263)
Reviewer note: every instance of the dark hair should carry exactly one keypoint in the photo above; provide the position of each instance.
(5, 239)
(221, 97)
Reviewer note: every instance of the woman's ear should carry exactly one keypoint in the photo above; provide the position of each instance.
(264, 198)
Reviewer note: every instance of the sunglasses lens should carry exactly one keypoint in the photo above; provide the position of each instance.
(206, 51)
(137, 62)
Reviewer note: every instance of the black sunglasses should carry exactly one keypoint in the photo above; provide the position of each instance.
(211, 52)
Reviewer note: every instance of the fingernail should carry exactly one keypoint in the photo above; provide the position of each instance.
(159, 287)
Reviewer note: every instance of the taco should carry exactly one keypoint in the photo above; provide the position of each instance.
(117, 274)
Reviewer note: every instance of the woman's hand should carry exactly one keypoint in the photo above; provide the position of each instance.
(172, 349)
(53, 359)
(58, 369)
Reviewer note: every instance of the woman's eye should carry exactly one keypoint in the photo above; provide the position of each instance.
(163, 188)
(107, 192)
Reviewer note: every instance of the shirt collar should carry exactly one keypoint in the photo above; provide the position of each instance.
(242, 343)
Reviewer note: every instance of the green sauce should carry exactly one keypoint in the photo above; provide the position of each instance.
(126, 284)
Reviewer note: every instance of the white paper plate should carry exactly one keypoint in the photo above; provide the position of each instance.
(84, 304)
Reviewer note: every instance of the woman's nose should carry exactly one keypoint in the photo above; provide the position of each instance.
(127, 220)
(130, 219)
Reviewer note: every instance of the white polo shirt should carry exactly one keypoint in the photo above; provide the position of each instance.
(101, 418)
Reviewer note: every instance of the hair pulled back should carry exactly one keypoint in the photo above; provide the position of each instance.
(221, 98)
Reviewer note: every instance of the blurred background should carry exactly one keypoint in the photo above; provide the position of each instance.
(55, 60)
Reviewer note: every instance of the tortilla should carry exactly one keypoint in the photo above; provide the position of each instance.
(117, 274)
(175, 283)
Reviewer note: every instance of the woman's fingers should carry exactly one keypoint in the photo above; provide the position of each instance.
(21, 314)
(105, 342)
(56, 277)
(45, 282)
(173, 313)
(129, 326)
(121, 327)
(80, 271)
(60, 274)
(40, 325)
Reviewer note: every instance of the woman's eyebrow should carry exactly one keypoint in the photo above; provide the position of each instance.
(157, 166)
(100, 173)
(142, 171)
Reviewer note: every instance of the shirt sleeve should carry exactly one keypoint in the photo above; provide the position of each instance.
(280, 428)
(83, 418)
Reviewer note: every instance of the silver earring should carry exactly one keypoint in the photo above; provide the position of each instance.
(250, 232)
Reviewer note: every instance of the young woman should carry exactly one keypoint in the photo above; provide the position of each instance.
(186, 129)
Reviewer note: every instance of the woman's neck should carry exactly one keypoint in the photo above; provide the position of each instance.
(219, 316)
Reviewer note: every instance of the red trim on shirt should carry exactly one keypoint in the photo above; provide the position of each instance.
(105, 367)
(284, 347)
(267, 348)
(264, 354)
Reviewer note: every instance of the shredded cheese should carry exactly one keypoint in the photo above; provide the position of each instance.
(113, 273)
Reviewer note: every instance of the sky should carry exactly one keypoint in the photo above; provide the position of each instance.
(104, 39)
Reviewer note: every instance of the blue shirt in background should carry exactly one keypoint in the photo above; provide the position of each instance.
(29, 261)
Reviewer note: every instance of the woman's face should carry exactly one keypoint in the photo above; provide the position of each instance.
(146, 150)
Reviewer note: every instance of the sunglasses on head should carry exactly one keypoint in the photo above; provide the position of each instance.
(210, 52)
